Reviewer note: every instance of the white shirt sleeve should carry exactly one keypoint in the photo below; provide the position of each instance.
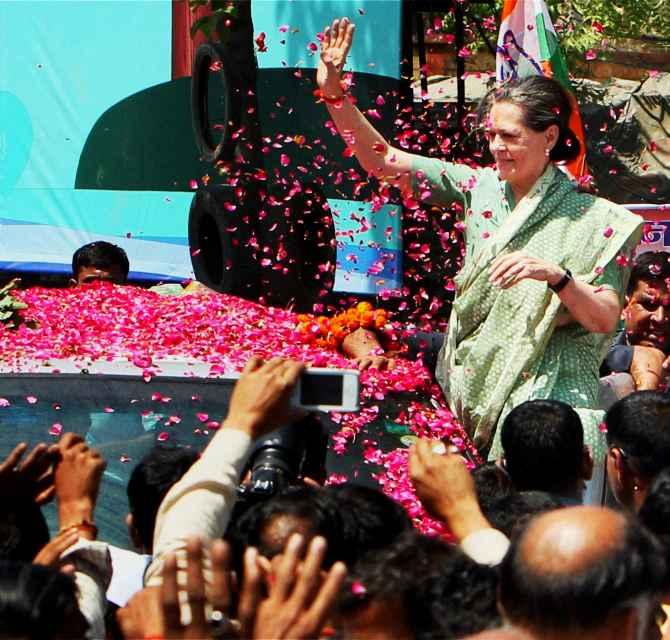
(486, 546)
(201, 502)
(92, 573)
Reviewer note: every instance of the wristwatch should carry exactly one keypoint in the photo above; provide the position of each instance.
(561, 284)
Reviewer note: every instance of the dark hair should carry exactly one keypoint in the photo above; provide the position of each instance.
(149, 482)
(638, 424)
(581, 599)
(37, 602)
(23, 530)
(510, 514)
(491, 483)
(655, 513)
(655, 510)
(544, 103)
(543, 444)
(370, 520)
(444, 594)
(651, 266)
(103, 255)
(310, 504)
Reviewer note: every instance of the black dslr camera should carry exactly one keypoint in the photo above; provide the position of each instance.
(279, 460)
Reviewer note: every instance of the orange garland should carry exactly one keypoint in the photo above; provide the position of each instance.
(331, 332)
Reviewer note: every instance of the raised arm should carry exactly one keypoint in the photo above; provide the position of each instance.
(376, 156)
(201, 502)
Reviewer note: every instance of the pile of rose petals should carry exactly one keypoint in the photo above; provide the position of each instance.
(104, 321)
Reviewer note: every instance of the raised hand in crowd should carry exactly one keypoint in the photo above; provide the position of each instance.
(50, 554)
(142, 616)
(301, 595)
(260, 399)
(30, 478)
(649, 368)
(446, 488)
(77, 481)
(201, 502)
(204, 610)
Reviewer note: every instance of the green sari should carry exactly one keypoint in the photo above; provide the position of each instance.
(503, 346)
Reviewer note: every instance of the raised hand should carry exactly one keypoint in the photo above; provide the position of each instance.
(300, 597)
(648, 368)
(31, 478)
(50, 553)
(446, 488)
(260, 399)
(157, 611)
(335, 46)
(200, 624)
(77, 481)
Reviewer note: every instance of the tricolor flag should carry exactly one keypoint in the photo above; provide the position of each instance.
(528, 44)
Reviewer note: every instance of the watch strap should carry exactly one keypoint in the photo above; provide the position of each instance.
(561, 284)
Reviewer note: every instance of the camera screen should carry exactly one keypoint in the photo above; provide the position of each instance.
(319, 389)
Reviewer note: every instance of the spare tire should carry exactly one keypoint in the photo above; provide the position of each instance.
(215, 91)
(268, 244)
(221, 242)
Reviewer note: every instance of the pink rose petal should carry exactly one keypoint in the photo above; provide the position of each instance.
(56, 429)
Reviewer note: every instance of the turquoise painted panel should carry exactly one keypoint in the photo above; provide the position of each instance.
(68, 61)
(369, 246)
(291, 26)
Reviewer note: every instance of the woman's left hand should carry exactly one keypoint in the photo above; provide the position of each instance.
(512, 268)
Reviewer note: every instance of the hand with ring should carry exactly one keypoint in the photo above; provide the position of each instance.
(185, 610)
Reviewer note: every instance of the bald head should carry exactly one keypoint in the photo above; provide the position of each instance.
(566, 541)
(573, 568)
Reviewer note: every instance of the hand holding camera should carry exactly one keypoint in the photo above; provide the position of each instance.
(260, 400)
(268, 395)
(277, 394)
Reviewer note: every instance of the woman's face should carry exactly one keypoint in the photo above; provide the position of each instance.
(521, 154)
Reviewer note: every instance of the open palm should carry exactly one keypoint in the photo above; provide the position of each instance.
(337, 39)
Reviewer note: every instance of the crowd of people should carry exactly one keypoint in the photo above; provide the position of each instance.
(531, 553)
(524, 559)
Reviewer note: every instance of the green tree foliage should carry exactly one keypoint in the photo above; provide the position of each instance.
(593, 24)
(585, 27)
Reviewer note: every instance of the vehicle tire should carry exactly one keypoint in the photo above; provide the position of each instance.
(221, 243)
(212, 58)
(264, 243)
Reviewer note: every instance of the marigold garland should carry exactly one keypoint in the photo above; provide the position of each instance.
(331, 332)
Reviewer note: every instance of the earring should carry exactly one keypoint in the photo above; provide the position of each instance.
(547, 152)
(636, 488)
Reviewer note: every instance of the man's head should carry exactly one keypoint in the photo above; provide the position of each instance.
(370, 520)
(149, 482)
(647, 310)
(638, 439)
(23, 530)
(38, 602)
(543, 448)
(655, 512)
(582, 572)
(510, 514)
(267, 525)
(417, 587)
(492, 483)
(100, 261)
